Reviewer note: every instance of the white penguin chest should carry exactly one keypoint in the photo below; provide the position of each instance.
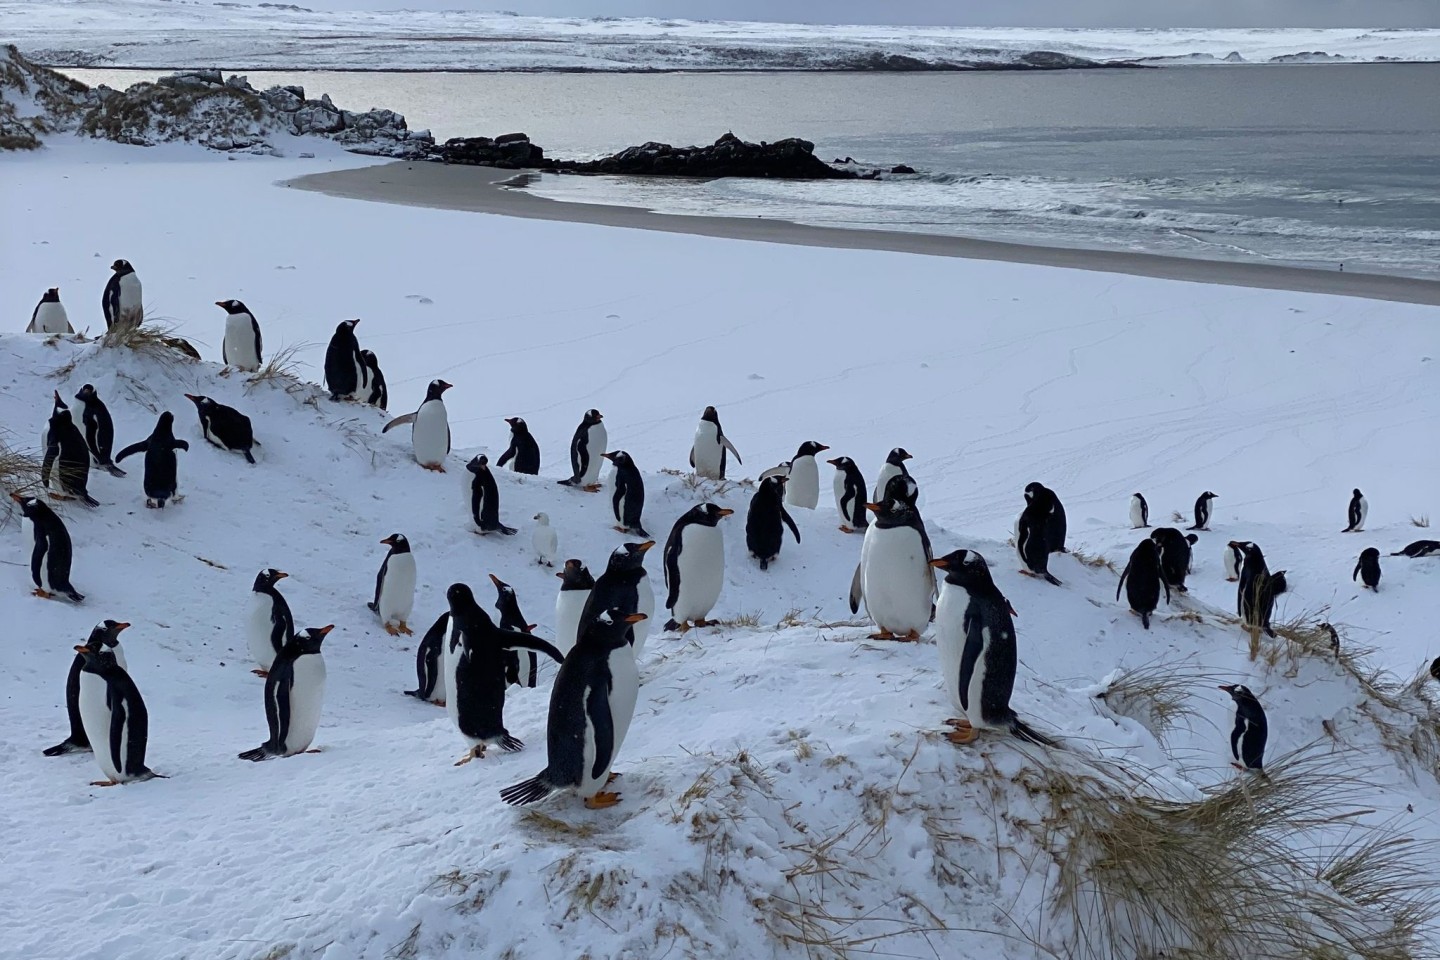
(1362, 510)
(240, 342)
(130, 298)
(803, 490)
(840, 484)
(707, 450)
(95, 718)
(950, 637)
(430, 436)
(546, 543)
(702, 571)
(896, 579)
(1232, 563)
(259, 627)
(307, 695)
(568, 606)
(624, 692)
(1137, 513)
(397, 589)
(595, 440)
(50, 317)
(451, 648)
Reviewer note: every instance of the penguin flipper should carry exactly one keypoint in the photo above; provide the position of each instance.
(789, 521)
(1050, 578)
(138, 447)
(1120, 586)
(731, 447)
(672, 570)
(515, 640)
(528, 791)
(692, 458)
(597, 711)
(399, 421)
(249, 457)
(855, 591)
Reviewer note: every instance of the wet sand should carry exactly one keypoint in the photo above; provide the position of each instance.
(479, 190)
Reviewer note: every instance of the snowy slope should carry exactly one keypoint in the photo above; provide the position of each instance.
(782, 778)
(184, 33)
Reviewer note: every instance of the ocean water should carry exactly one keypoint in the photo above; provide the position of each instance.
(1313, 165)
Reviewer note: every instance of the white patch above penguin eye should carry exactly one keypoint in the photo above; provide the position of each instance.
(971, 557)
(605, 619)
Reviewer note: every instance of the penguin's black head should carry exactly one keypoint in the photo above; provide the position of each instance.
(200, 402)
(1192, 538)
(1252, 551)
(266, 579)
(711, 415)
(517, 424)
(1207, 495)
(501, 587)
(1356, 492)
(459, 595)
(809, 448)
(630, 556)
(397, 543)
(166, 424)
(60, 406)
(1148, 548)
(309, 639)
(964, 568)
(232, 306)
(86, 394)
(576, 576)
(437, 389)
(841, 463)
(1370, 553)
(592, 417)
(619, 457)
(98, 659)
(346, 326)
(1034, 489)
(29, 506)
(898, 456)
(106, 634)
(901, 488)
(122, 266)
(477, 463)
(708, 514)
(370, 359)
(774, 485)
(51, 296)
(1239, 693)
(608, 629)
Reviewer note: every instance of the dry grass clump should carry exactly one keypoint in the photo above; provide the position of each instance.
(154, 337)
(1156, 694)
(1094, 560)
(747, 621)
(1423, 521)
(19, 473)
(282, 368)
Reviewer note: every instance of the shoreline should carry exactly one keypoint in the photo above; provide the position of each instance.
(479, 190)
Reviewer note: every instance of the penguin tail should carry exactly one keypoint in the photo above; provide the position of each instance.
(248, 458)
(88, 500)
(1050, 578)
(256, 755)
(1025, 732)
(528, 791)
(1144, 619)
(68, 746)
(416, 694)
(508, 531)
(372, 606)
(511, 744)
(114, 470)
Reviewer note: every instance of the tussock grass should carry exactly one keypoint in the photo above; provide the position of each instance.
(747, 621)
(1156, 694)
(1422, 521)
(407, 949)
(1094, 560)
(1177, 517)
(282, 368)
(154, 337)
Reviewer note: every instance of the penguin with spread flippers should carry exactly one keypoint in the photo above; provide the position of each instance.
(766, 520)
(243, 347)
(586, 450)
(105, 636)
(544, 540)
(1356, 513)
(1420, 548)
(629, 499)
(1175, 551)
(625, 585)
(1032, 534)
(346, 374)
(65, 470)
(485, 498)
(430, 662)
(1367, 568)
(522, 667)
(51, 553)
(802, 488)
(123, 301)
(294, 693)
(1202, 511)
(894, 577)
(225, 427)
(1139, 512)
(98, 428)
(850, 495)
(1255, 595)
(1142, 580)
(710, 449)
(116, 721)
(1247, 739)
(430, 428)
(523, 454)
(269, 626)
(575, 586)
(893, 466)
(49, 315)
(378, 394)
(160, 465)
(694, 566)
(395, 586)
(975, 633)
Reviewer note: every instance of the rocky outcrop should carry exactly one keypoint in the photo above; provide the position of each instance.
(34, 101)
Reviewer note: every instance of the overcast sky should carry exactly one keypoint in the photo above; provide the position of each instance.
(973, 13)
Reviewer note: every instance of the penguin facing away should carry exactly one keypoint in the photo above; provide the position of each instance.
(116, 721)
(1202, 511)
(624, 585)
(50, 556)
(294, 693)
(803, 487)
(1032, 532)
(766, 520)
(1139, 512)
(894, 466)
(545, 540)
(711, 447)
(49, 315)
(1420, 548)
(523, 454)
(521, 668)
(629, 499)
(485, 498)
(65, 470)
(379, 394)
(575, 586)
(695, 566)
(98, 428)
(105, 636)
(1144, 580)
(1175, 555)
(430, 428)
(586, 448)
(429, 663)
(1247, 740)
(395, 586)
(269, 625)
(122, 301)
(346, 374)
(1359, 508)
(160, 466)
(242, 347)
(1255, 595)
(1055, 526)
(894, 577)
(1367, 568)
(850, 495)
(225, 427)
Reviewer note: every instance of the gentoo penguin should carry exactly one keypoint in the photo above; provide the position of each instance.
(429, 662)
(1247, 740)
(694, 566)
(1202, 511)
(1174, 553)
(269, 625)
(1359, 508)
(294, 692)
(781, 470)
(850, 495)
(711, 447)
(50, 557)
(766, 520)
(116, 721)
(160, 468)
(1420, 548)
(803, 488)
(894, 465)
(629, 499)
(346, 375)
(1055, 527)
(1258, 588)
(1334, 635)
(395, 586)
(1139, 512)
(625, 585)
(1234, 559)
(575, 586)
(976, 637)
(521, 668)
(523, 454)
(586, 448)
(430, 428)
(105, 636)
(1032, 532)
(242, 347)
(122, 301)
(1367, 568)
(485, 498)
(378, 394)
(225, 427)
(894, 576)
(545, 540)
(98, 428)
(591, 706)
(49, 315)
(477, 681)
(1144, 580)
(65, 471)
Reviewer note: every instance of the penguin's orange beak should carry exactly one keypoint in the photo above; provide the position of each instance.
(646, 545)
(560, 575)
(873, 507)
(219, 303)
(495, 580)
(636, 618)
(724, 511)
(835, 462)
(389, 541)
(609, 456)
(17, 496)
(81, 648)
(824, 447)
(325, 630)
(121, 626)
(280, 575)
(942, 563)
(189, 396)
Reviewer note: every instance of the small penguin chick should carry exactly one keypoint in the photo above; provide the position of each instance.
(545, 541)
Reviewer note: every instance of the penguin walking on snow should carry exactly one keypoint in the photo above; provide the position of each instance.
(711, 447)
(586, 448)
(521, 667)
(1175, 556)
(1247, 740)
(575, 586)
(485, 498)
(1359, 508)
(1139, 512)
(975, 633)
(629, 499)
(49, 315)
(105, 636)
(50, 557)
(67, 458)
(1420, 548)
(379, 394)
(1202, 511)
(1055, 526)
(160, 467)
(545, 540)
(625, 585)
(850, 495)
(591, 706)
(430, 430)
(122, 301)
(294, 693)
(225, 427)
(242, 347)
(430, 662)
(894, 577)
(116, 721)
(1032, 532)
(1257, 590)
(893, 466)
(1367, 568)
(98, 428)
(694, 566)
(1144, 581)
(764, 532)
(1234, 559)
(269, 626)
(803, 488)
(395, 586)
(523, 454)
(346, 375)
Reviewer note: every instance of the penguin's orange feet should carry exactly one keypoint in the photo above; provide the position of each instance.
(882, 635)
(594, 488)
(620, 529)
(42, 594)
(405, 629)
(845, 529)
(60, 496)
(439, 703)
(390, 629)
(959, 723)
(104, 783)
(436, 467)
(261, 673)
(962, 737)
(1029, 573)
(1231, 579)
(476, 753)
(602, 800)
(703, 623)
(910, 637)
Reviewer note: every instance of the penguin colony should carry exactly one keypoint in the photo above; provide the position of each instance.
(465, 661)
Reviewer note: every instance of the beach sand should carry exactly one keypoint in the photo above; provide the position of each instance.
(478, 189)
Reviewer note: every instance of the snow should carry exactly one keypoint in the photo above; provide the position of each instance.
(753, 746)
(185, 33)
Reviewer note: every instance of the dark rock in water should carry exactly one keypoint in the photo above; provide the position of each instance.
(902, 168)
(511, 138)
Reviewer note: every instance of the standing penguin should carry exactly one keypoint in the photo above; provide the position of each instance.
(98, 428)
(225, 427)
(586, 448)
(379, 394)
(1234, 559)
(1032, 532)
(591, 706)
(160, 482)
(894, 466)
(850, 495)
(625, 585)
(346, 375)
(395, 586)
(1055, 526)
(1367, 568)
(122, 300)
(695, 566)
(711, 446)
(294, 693)
(523, 454)
(50, 556)
(1202, 511)
(545, 540)
(269, 626)
(575, 586)
(105, 636)
(1359, 508)
(1139, 512)
(1145, 580)
(1258, 588)
(67, 458)
(430, 430)
(242, 347)
(429, 662)
(1247, 740)
(1175, 554)
(1420, 548)
(978, 654)
(803, 489)
(49, 315)
(764, 532)
(476, 661)
(894, 576)
(116, 721)
(485, 498)
(521, 668)
(629, 499)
